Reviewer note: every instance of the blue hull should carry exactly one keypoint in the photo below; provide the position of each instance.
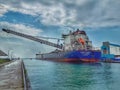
(73, 56)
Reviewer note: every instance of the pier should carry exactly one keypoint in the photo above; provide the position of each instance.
(13, 76)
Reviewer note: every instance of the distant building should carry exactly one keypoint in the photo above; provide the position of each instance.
(109, 48)
(2, 54)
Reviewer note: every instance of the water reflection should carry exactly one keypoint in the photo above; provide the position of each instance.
(47, 75)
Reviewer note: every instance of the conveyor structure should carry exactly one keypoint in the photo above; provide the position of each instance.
(33, 38)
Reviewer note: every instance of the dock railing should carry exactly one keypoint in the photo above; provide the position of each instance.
(26, 82)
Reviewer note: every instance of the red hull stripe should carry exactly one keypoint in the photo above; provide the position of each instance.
(73, 60)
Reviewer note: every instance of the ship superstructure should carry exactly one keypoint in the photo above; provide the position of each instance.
(77, 40)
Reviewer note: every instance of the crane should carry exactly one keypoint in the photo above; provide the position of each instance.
(32, 38)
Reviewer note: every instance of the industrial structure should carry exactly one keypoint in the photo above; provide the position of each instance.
(109, 48)
(110, 52)
(2, 53)
(33, 38)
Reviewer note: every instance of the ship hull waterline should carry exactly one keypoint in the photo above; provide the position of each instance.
(73, 56)
(71, 60)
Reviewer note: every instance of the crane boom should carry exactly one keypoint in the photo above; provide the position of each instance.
(32, 38)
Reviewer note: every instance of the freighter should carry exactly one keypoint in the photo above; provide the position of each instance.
(76, 47)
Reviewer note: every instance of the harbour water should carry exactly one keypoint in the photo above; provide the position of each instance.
(49, 75)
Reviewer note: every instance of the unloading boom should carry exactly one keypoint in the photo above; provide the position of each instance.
(33, 38)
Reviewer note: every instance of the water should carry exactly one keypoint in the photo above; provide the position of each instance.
(48, 75)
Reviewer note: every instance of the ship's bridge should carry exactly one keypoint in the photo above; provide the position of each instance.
(76, 40)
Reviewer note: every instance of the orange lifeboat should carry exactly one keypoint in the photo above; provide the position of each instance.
(81, 40)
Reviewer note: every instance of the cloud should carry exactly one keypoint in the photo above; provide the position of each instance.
(3, 10)
(69, 12)
(21, 28)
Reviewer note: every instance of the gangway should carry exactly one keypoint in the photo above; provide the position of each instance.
(33, 38)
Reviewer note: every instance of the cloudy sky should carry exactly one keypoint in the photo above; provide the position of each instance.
(99, 18)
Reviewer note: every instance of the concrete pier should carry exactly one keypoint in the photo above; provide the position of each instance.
(11, 76)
